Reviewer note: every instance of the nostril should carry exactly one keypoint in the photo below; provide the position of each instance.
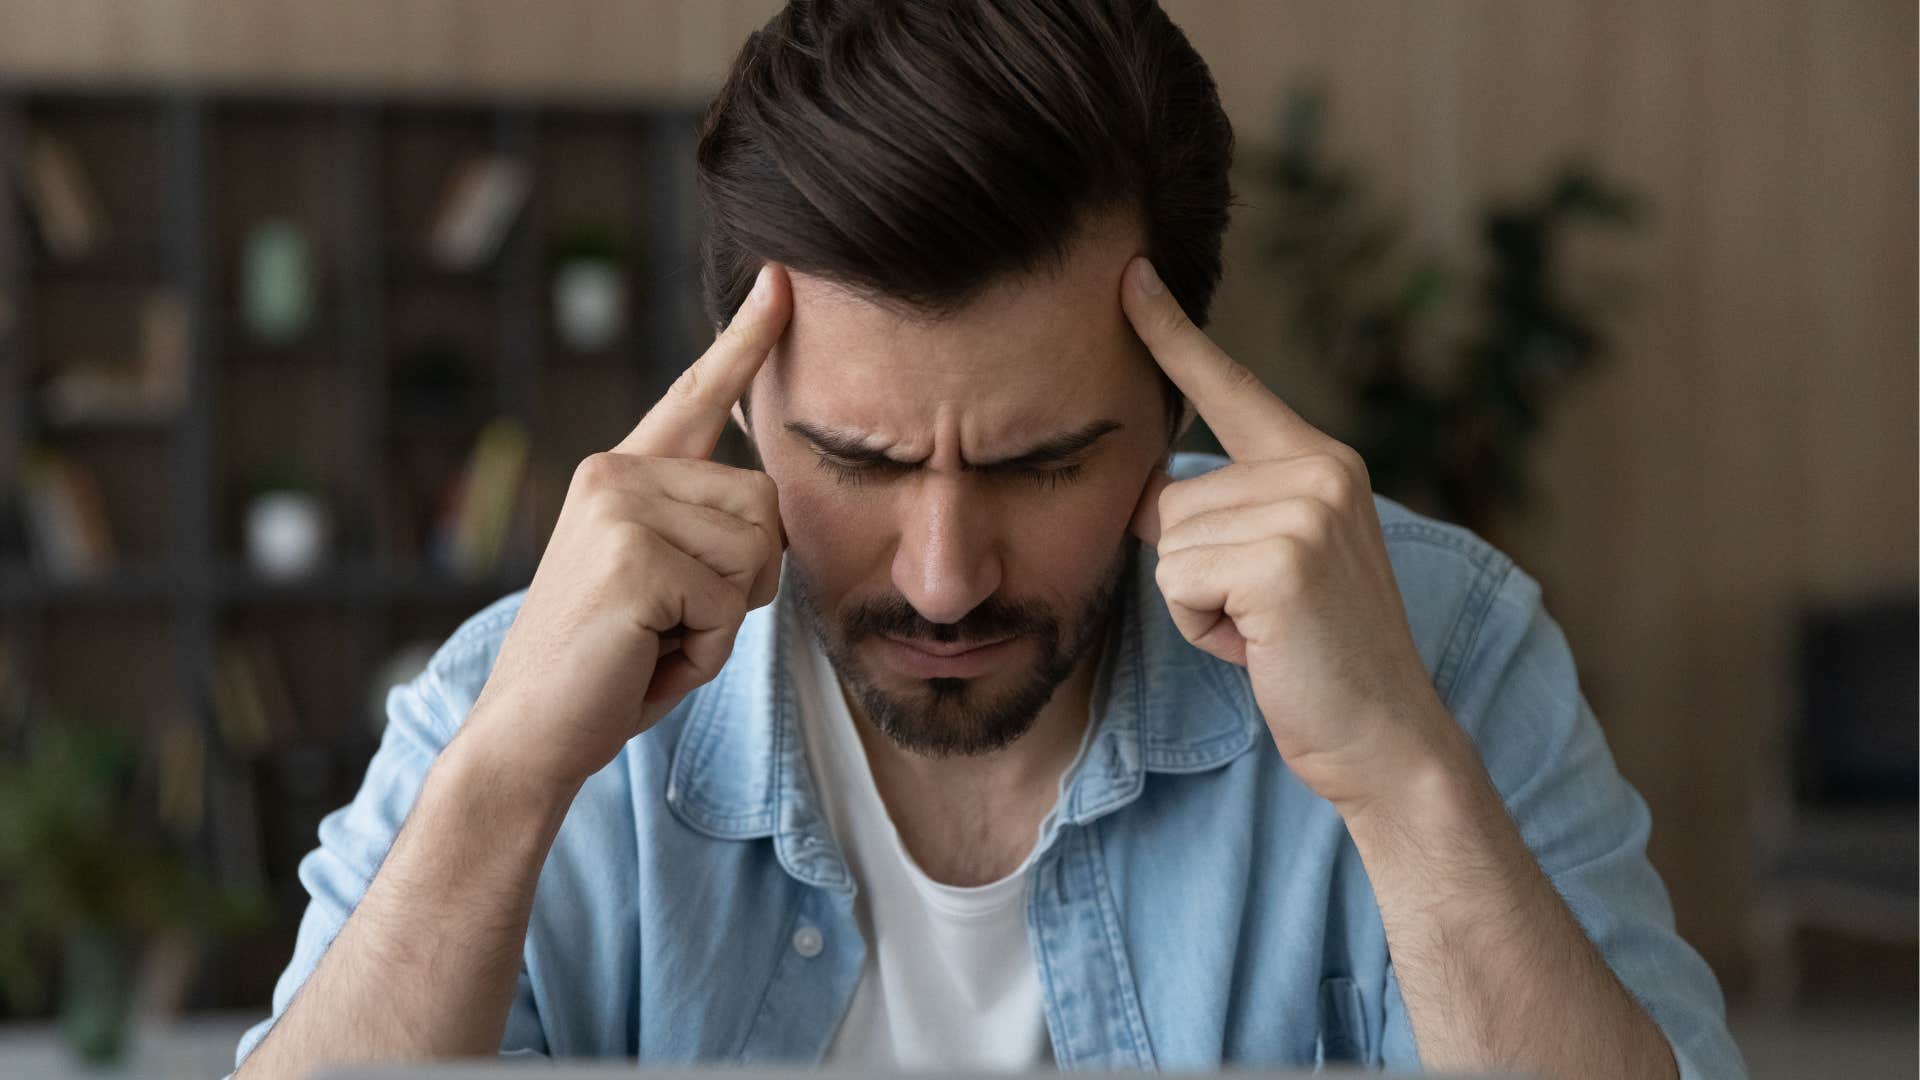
(945, 583)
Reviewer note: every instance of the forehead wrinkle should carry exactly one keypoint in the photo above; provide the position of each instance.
(1065, 441)
(1044, 353)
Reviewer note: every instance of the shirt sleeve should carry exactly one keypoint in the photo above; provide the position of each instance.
(355, 838)
(1518, 696)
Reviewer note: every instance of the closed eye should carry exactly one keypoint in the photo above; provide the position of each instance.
(857, 472)
(854, 473)
(1049, 477)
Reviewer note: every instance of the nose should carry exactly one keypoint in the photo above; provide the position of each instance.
(948, 559)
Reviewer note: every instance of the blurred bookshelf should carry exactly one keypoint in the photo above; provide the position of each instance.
(418, 381)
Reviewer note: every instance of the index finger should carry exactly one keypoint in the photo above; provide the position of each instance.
(688, 419)
(1251, 421)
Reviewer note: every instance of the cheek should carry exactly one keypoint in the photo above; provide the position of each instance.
(828, 533)
(1059, 542)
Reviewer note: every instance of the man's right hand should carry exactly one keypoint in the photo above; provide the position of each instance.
(657, 556)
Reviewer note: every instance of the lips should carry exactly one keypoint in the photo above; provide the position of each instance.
(945, 660)
(945, 648)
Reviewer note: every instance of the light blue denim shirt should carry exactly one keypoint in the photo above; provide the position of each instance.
(1192, 905)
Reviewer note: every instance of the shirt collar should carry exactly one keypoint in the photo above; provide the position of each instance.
(739, 771)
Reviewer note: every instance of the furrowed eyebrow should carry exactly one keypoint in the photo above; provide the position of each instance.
(1055, 449)
(852, 447)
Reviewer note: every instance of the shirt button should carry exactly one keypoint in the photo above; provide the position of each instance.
(807, 941)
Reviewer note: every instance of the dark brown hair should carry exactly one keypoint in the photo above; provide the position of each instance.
(917, 150)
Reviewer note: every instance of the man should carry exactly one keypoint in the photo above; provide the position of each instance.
(976, 729)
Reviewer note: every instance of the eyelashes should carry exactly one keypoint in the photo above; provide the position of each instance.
(855, 475)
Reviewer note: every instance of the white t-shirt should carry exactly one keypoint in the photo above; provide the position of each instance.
(949, 980)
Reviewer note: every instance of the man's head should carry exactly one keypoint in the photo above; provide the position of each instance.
(959, 418)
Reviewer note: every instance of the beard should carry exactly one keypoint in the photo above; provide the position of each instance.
(950, 717)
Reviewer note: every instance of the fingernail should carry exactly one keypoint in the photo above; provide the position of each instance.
(759, 292)
(1149, 281)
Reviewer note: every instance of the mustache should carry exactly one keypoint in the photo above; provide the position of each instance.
(992, 619)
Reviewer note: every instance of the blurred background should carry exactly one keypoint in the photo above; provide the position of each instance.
(308, 309)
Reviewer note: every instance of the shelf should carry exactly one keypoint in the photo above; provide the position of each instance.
(129, 584)
(183, 177)
(237, 583)
(321, 335)
(129, 423)
(117, 261)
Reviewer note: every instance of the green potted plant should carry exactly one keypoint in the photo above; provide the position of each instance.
(89, 877)
(1450, 375)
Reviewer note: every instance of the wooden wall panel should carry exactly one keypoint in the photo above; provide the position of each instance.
(1857, 194)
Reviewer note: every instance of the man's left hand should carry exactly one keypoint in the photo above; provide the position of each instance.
(1276, 562)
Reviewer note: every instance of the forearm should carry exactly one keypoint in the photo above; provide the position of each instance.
(1493, 967)
(427, 963)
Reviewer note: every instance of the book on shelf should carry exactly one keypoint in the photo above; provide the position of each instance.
(14, 701)
(66, 517)
(472, 527)
(154, 387)
(251, 702)
(482, 199)
(182, 764)
(61, 198)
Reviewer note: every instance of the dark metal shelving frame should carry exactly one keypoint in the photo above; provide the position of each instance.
(193, 581)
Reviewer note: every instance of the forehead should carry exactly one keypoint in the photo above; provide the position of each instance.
(1019, 353)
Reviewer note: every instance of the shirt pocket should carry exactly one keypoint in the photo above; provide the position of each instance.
(1342, 1036)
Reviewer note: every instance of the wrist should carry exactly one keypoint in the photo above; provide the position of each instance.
(499, 781)
(1435, 781)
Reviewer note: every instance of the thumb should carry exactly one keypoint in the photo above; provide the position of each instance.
(1146, 514)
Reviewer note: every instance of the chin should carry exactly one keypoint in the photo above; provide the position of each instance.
(947, 717)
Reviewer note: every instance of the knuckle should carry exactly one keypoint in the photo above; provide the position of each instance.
(1172, 498)
(1240, 379)
(716, 597)
(1350, 462)
(733, 605)
(594, 471)
(1209, 528)
(689, 386)
(759, 547)
(1286, 564)
(765, 492)
(1165, 573)
(724, 603)
(632, 549)
(1314, 521)
(1333, 480)
(689, 383)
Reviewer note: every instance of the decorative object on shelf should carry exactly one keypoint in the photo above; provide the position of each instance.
(91, 391)
(1455, 444)
(90, 882)
(66, 517)
(288, 526)
(468, 536)
(589, 286)
(402, 665)
(62, 199)
(287, 534)
(277, 281)
(483, 197)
